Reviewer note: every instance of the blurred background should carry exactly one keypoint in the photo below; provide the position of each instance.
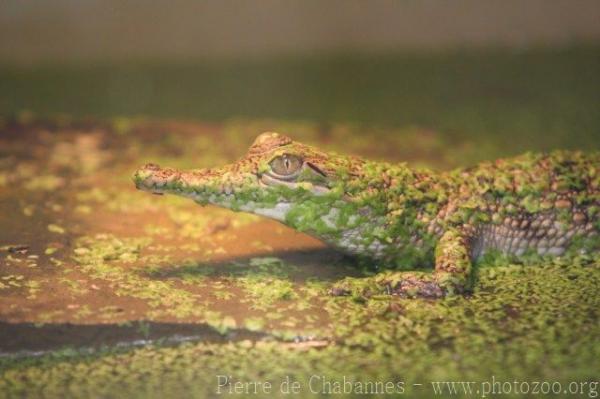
(522, 72)
(92, 30)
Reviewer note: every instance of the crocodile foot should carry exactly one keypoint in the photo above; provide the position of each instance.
(405, 285)
(415, 287)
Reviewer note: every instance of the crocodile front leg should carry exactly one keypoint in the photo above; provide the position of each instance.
(452, 270)
(451, 275)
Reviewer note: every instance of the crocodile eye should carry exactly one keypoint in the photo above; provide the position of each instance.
(286, 165)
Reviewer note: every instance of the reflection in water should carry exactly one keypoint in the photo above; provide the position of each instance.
(29, 339)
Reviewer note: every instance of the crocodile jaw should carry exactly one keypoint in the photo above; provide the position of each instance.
(218, 187)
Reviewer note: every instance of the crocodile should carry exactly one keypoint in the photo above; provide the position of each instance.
(547, 204)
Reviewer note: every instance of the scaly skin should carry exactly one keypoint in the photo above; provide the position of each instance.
(536, 203)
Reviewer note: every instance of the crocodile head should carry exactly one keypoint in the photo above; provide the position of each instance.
(299, 185)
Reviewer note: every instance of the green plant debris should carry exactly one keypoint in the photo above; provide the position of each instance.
(11, 281)
(266, 282)
(83, 209)
(44, 183)
(33, 287)
(28, 210)
(104, 257)
(54, 228)
(50, 250)
(76, 287)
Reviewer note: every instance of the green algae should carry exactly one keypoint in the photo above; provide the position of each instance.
(266, 282)
(103, 257)
(530, 309)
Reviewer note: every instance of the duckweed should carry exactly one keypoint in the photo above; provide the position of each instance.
(532, 319)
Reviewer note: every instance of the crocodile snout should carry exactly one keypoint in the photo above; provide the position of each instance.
(152, 177)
